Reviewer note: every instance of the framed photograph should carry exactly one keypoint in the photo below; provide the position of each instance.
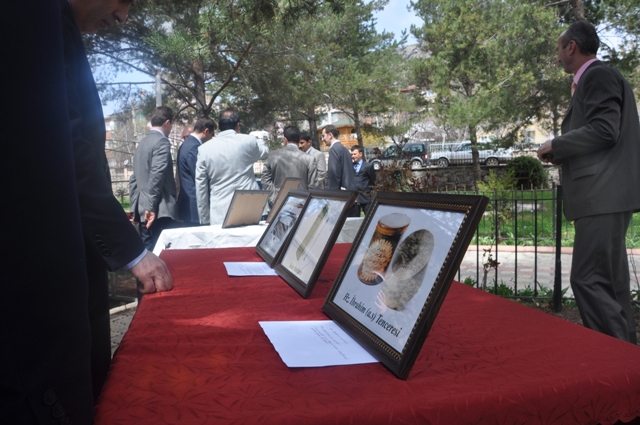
(313, 237)
(275, 238)
(289, 183)
(246, 208)
(399, 269)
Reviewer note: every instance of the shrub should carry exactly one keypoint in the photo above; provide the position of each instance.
(528, 172)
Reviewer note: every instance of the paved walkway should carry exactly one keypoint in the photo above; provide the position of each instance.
(531, 267)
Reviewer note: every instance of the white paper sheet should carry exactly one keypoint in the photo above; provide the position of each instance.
(254, 268)
(314, 343)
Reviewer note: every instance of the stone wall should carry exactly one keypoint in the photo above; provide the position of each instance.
(461, 177)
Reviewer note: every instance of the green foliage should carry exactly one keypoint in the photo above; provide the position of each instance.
(469, 281)
(488, 61)
(528, 172)
(498, 183)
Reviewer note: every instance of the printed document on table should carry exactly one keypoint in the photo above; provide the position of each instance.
(253, 268)
(314, 343)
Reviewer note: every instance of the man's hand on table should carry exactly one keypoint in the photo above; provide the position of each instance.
(152, 274)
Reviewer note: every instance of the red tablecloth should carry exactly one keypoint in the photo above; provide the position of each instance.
(197, 355)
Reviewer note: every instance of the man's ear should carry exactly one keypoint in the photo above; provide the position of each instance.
(237, 129)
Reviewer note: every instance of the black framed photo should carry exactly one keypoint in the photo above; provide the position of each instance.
(246, 208)
(313, 237)
(399, 269)
(274, 239)
(289, 183)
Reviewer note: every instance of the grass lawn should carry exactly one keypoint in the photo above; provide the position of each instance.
(528, 218)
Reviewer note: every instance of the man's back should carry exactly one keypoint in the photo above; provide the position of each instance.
(288, 162)
(225, 164)
(340, 173)
(187, 155)
(155, 187)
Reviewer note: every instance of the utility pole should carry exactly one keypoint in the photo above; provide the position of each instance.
(158, 89)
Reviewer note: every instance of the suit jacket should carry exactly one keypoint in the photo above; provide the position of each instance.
(288, 162)
(187, 204)
(152, 186)
(45, 349)
(340, 174)
(224, 164)
(600, 146)
(321, 164)
(365, 180)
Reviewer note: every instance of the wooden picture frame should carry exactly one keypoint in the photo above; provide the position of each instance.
(275, 238)
(399, 269)
(289, 183)
(313, 237)
(246, 208)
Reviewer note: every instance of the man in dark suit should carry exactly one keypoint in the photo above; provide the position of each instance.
(599, 150)
(365, 177)
(111, 241)
(187, 155)
(45, 369)
(340, 170)
(288, 162)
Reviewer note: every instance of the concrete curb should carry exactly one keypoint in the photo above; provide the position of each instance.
(123, 308)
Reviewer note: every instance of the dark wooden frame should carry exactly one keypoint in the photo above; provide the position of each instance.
(266, 256)
(305, 288)
(232, 213)
(288, 183)
(400, 363)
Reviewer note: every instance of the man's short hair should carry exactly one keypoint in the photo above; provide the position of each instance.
(160, 115)
(333, 130)
(585, 36)
(305, 136)
(357, 147)
(292, 134)
(203, 123)
(228, 119)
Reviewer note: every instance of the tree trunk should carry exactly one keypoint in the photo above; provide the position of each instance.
(356, 121)
(577, 7)
(475, 155)
(313, 127)
(199, 90)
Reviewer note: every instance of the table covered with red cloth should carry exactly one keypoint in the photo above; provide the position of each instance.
(197, 355)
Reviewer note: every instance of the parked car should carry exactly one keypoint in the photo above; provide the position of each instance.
(462, 155)
(416, 153)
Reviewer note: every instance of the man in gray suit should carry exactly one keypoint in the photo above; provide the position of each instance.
(321, 160)
(288, 162)
(340, 174)
(152, 187)
(599, 150)
(225, 164)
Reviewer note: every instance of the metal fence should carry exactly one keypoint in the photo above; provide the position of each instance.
(523, 248)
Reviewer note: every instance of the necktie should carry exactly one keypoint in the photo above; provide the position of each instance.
(573, 87)
(355, 167)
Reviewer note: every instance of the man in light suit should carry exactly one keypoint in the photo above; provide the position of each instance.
(187, 155)
(321, 160)
(152, 187)
(340, 171)
(225, 164)
(365, 180)
(111, 242)
(288, 162)
(599, 150)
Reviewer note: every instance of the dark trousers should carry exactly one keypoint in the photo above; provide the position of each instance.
(150, 236)
(99, 320)
(600, 275)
